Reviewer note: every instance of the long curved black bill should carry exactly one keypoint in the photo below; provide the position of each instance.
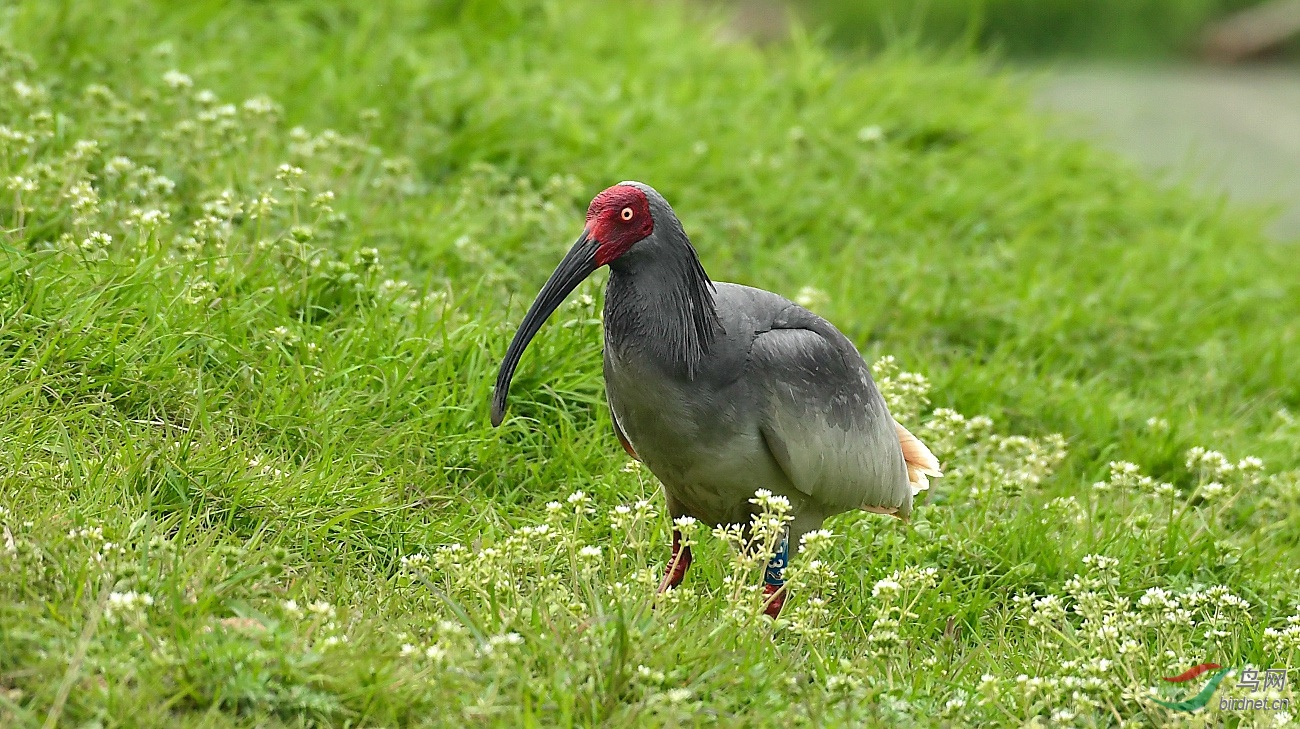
(578, 264)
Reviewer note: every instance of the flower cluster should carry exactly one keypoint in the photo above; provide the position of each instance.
(986, 463)
(906, 393)
(129, 605)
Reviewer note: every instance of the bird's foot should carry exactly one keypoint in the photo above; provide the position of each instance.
(774, 596)
(677, 566)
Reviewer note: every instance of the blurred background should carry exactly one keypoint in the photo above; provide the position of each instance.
(1206, 91)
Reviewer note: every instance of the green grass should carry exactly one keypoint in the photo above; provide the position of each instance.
(1112, 29)
(257, 400)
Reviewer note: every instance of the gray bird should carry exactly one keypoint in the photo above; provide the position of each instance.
(722, 389)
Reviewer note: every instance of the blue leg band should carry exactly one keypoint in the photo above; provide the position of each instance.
(775, 573)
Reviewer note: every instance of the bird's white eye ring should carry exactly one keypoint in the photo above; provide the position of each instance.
(626, 214)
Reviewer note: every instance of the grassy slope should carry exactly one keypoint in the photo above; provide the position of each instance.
(1031, 279)
(1136, 29)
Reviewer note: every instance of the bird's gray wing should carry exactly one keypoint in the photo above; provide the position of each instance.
(613, 413)
(622, 437)
(823, 419)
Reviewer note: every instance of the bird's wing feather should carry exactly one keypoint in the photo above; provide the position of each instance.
(622, 437)
(613, 414)
(921, 463)
(823, 419)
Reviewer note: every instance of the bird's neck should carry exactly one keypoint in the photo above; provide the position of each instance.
(659, 302)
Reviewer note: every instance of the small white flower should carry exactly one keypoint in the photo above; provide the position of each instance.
(1212, 490)
(1100, 562)
(1250, 463)
(284, 335)
(871, 133)
(24, 90)
(650, 675)
(259, 105)
(289, 175)
(507, 639)
(118, 166)
(21, 184)
(96, 241)
(887, 587)
(177, 80)
(678, 695)
(120, 603)
(1124, 468)
(1228, 599)
(810, 297)
(816, 539)
(415, 562)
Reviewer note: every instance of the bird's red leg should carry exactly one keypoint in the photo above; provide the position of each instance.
(677, 565)
(774, 579)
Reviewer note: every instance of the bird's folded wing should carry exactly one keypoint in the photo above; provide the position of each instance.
(622, 437)
(825, 422)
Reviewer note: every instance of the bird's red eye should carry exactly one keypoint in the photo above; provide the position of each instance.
(626, 214)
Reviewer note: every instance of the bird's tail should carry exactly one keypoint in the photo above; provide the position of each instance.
(921, 463)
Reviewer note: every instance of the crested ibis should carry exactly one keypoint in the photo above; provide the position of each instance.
(721, 389)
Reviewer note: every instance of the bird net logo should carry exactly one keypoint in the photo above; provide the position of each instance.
(1252, 679)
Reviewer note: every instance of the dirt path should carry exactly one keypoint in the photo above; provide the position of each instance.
(1228, 129)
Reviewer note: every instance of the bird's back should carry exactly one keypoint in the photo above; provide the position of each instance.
(782, 400)
(824, 420)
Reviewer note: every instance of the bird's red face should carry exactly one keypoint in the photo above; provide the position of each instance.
(617, 219)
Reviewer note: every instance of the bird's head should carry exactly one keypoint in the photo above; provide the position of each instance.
(617, 219)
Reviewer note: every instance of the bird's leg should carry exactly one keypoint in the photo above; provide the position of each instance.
(677, 565)
(774, 577)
